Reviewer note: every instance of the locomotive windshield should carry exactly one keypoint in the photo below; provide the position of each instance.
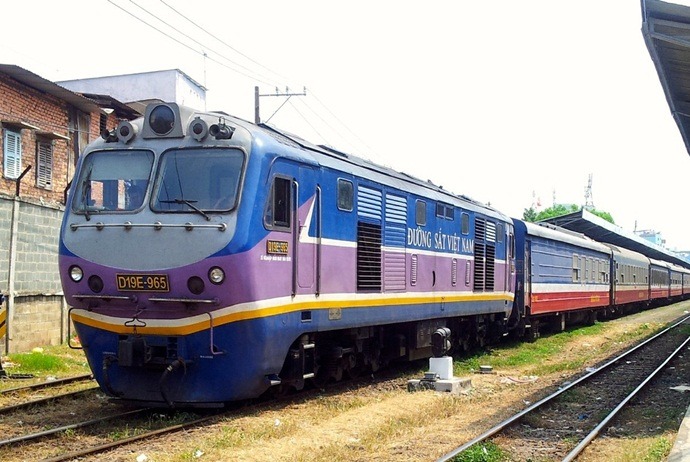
(198, 180)
(113, 181)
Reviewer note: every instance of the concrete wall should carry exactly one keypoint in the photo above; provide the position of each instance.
(29, 274)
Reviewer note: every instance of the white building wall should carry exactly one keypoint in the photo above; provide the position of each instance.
(170, 85)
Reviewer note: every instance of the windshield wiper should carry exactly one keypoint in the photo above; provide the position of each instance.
(85, 193)
(189, 204)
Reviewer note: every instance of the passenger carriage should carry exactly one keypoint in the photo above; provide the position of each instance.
(561, 275)
(659, 282)
(630, 284)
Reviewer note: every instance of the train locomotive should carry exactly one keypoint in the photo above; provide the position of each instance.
(207, 259)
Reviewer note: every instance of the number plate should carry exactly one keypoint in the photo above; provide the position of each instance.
(143, 283)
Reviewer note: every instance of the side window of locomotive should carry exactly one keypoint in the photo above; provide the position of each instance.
(420, 213)
(500, 232)
(445, 211)
(465, 223)
(346, 195)
(279, 204)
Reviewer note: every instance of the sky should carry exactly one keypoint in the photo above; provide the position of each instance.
(515, 104)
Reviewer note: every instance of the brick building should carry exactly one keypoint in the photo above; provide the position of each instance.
(43, 129)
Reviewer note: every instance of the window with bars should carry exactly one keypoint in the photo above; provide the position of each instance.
(12, 154)
(44, 164)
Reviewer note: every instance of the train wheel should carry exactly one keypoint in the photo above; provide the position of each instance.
(351, 366)
(591, 318)
(532, 331)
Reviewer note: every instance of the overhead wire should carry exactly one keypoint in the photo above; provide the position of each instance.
(205, 30)
(204, 46)
(184, 44)
(254, 75)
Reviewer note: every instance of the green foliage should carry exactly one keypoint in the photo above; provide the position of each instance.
(531, 354)
(485, 452)
(36, 362)
(659, 450)
(529, 215)
(605, 215)
(558, 210)
(50, 360)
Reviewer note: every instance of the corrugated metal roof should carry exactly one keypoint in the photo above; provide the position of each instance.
(39, 83)
(666, 31)
(601, 230)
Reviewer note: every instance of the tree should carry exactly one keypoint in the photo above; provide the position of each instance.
(529, 215)
(605, 215)
(561, 209)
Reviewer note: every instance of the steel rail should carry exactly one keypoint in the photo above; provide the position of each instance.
(595, 432)
(52, 431)
(48, 384)
(511, 420)
(104, 447)
(14, 407)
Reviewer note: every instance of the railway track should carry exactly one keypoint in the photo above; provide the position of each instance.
(564, 423)
(76, 437)
(37, 393)
(77, 424)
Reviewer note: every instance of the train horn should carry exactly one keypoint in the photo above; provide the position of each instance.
(221, 131)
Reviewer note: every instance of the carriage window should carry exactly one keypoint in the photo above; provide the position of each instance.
(278, 208)
(420, 213)
(345, 195)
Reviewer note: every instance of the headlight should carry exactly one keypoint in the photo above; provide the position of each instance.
(76, 274)
(216, 275)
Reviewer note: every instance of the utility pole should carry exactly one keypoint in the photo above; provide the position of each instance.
(257, 118)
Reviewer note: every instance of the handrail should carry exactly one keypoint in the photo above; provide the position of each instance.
(157, 225)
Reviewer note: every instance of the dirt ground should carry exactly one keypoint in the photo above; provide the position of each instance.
(382, 421)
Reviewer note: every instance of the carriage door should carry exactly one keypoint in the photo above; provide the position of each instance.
(306, 232)
(527, 271)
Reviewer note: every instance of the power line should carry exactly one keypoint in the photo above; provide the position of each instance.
(339, 121)
(184, 44)
(205, 30)
(194, 40)
(262, 78)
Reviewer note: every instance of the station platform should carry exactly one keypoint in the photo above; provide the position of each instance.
(681, 448)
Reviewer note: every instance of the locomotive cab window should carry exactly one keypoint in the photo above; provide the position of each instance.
(278, 209)
(346, 194)
(198, 180)
(113, 181)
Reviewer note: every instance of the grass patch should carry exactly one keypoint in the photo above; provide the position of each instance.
(655, 449)
(36, 362)
(37, 365)
(485, 452)
(541, 357)
(659, 450)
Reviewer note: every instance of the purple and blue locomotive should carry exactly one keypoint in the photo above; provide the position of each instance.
(207, 259)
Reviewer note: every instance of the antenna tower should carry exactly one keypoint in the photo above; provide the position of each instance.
(589, 201)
